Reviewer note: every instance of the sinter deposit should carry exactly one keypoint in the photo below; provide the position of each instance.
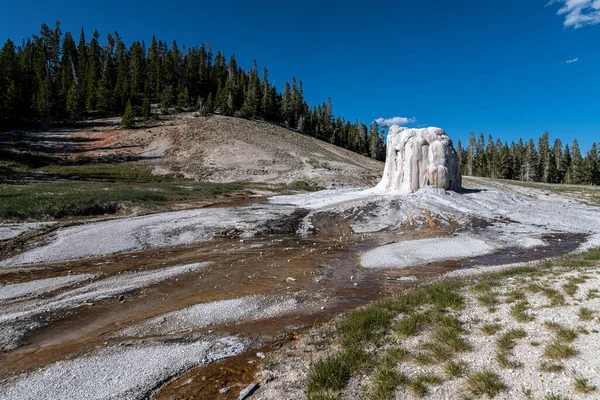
(417, 158)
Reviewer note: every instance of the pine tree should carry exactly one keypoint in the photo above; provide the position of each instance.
(146, 113)
(577, 167)
(504, 163)
(74, 104)
(128, 119)
(544, 167)
(565, 165)
(471, 152)
(530, 162)
(557, 172)
(592, 164)
(210, 105)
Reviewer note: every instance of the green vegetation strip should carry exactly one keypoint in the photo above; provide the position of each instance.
(434, 310)
(44, 201)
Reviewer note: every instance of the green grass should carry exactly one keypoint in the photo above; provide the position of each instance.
(592, 294)
(558, 350)
(334, 372)
(514, 295)
(418, 384)
(488, 299)
(364, 325)
(586, 314)
(562, 333)
(485, 383)
(552, 396)
(491, 328)
(367, 324)
(45, 201)
(505, 345)
(570, 288)
(582, 385)
(592, 255)
(556, 298)
(386, 379)
(455, 369)
(519, 310)
(546, 366)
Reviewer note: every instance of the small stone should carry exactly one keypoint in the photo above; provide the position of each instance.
(247, 391)
(224, 390)
(290, 279)
(260, 354)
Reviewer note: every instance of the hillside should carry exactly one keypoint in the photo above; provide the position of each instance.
(214, 148)
(226, 149)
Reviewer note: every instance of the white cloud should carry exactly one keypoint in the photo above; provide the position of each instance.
(395, 121)
(578, 13)
(574, 60)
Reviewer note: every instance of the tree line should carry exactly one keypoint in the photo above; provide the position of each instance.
(530, 162)
(51, 77)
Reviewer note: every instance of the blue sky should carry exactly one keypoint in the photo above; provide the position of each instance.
(497, 67)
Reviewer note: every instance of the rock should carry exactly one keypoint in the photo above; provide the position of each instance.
(290, 279)
(408, 279)
(417, 158)
(247, 391)
(260, 354)
(224, 390)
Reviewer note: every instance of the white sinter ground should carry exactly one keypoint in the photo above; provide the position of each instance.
(117, 372)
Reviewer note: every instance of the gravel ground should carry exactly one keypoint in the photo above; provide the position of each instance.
(215, 313)
(9, 231)
(529, 376)
(35, 288)
(153, 231)
(17, 319)
(286, 375)
(117, 372)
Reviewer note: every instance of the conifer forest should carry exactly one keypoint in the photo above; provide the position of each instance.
(51, 77)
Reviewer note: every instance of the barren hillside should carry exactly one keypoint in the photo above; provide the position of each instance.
(225, 149)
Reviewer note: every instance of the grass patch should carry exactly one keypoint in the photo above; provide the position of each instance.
(592, 255)
(570, 288)
(418, 385)
(455, 369)
(558, 350)
(562, 333)
(582, 385)
(386, 379)
(520, 310)
(58, 200)
(333, 373)
(505, 346)
(552, 396)
(365, 324)
(586, 314)
(546, 366)
(485, 383)
(491, 328)
(515, 295)
(489, 300)
(446, 340)
(592, 294)
(556, 298)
